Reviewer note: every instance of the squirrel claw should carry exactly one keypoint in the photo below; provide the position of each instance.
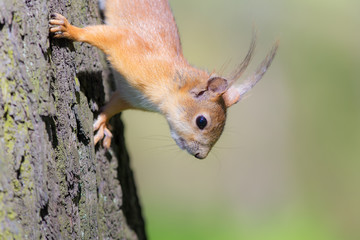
(107, 142)
(61, 25)
(100, 126)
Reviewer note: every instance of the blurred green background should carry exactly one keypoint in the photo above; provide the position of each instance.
(288, 163)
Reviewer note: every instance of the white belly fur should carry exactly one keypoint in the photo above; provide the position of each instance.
(132, 95)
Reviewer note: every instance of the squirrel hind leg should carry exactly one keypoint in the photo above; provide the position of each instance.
(114, 106)
(101, 126)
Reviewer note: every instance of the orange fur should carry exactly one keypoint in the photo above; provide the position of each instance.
(142, 43)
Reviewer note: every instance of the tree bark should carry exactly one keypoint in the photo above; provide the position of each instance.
(54, 184)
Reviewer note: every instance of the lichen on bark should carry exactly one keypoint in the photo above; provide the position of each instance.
(54, 184)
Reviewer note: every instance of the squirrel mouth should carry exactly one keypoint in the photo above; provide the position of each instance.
(184, 146)
(181, 143)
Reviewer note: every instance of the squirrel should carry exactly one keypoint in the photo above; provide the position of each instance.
(142, 43)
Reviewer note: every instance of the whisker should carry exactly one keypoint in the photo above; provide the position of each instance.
(161, 147)
(219, 163)
(231, 131)
(157, 137)
(225, 148)
(178, 154)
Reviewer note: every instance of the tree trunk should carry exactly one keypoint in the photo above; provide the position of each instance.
(54, 184)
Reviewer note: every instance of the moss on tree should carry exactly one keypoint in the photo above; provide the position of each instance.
(54, 184)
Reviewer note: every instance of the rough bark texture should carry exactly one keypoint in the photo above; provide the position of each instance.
(53, 183)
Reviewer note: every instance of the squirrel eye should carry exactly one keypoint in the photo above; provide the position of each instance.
(201, 122)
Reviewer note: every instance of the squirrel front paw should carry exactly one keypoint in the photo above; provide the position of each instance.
(100, 126)
(62, 28)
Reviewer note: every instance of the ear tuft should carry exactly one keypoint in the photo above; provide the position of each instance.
(234, 94)
(217, 85)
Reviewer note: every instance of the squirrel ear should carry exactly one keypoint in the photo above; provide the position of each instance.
(217, 86)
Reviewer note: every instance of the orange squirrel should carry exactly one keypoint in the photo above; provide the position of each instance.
(142, 43)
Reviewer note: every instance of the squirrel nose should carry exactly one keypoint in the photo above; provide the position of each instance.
(198, 156)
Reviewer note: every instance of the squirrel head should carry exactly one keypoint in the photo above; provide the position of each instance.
(196, 112)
